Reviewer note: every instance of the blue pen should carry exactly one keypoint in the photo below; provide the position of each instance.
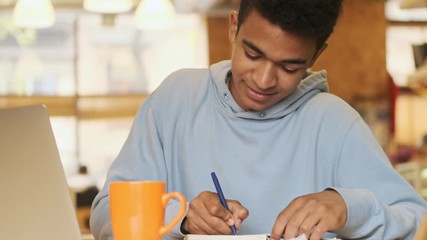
(222, 198)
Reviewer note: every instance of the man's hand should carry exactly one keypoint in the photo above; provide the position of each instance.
(206, 215)
(312, 215)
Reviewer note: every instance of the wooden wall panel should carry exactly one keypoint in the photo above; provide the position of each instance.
(356, 57)
(219, 45)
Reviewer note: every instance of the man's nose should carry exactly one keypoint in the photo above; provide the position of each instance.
(266, 75)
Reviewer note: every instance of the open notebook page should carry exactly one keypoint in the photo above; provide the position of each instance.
(236, 237)
(242, 237)
(226, 237)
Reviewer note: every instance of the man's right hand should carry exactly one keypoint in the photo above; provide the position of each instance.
(206, 215)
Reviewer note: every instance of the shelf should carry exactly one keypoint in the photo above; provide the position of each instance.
(95, 107)
(83, 107)
(407, 24)
(58, 106)
(418, 89)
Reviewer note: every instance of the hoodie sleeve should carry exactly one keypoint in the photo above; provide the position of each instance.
(380, 203)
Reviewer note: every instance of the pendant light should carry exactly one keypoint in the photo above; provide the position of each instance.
(33, 14)
(154, 15)
(108, 6)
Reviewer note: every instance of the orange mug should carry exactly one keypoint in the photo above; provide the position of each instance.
(138, 210)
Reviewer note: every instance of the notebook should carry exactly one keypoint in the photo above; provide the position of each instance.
(242, 237)
(35, 202)
(226, 237)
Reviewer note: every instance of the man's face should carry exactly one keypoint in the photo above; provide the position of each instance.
(267, 62)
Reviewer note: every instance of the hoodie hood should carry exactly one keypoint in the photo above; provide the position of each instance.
(312, 84)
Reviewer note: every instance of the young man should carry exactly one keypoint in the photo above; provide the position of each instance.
(292, 158)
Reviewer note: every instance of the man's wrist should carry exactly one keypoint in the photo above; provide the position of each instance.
(182, 228)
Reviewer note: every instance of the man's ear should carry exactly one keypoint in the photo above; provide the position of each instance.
(232, 26)
(318, 53)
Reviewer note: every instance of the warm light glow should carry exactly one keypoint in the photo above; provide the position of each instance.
(33, 14)
(108, 6)
(154, 15)
(408, 4)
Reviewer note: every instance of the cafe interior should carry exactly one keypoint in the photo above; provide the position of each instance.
(93, 62)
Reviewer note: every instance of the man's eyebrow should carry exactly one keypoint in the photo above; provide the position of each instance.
(252, 46)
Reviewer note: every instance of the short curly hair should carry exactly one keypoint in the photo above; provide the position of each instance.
(313, 19)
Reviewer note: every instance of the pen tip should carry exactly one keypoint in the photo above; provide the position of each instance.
(233, 228)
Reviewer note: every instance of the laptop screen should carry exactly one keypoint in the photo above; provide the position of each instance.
(35, 203)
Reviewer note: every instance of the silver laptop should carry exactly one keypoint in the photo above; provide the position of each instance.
(35, 202)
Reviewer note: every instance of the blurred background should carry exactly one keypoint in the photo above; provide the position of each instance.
(94, 62)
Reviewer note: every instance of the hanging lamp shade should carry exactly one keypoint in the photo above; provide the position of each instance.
(107, 6)
(154, 15)
(33, 14)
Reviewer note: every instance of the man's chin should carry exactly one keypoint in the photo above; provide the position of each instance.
(258, 108)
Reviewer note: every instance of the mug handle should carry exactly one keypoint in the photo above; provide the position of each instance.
(173, 222)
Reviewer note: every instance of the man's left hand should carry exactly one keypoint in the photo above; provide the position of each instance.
(312, 215)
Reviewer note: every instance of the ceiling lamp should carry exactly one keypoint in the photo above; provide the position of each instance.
(108, 6)
(154, 15)
(33, 14)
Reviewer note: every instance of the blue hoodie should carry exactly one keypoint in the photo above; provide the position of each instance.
(308, 142)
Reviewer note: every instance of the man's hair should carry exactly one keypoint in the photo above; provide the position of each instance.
(314, 19)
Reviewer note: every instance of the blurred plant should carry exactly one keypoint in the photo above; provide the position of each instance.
(24, 37)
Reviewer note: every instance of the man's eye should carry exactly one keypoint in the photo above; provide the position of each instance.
(252, 57)
(289, 70)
